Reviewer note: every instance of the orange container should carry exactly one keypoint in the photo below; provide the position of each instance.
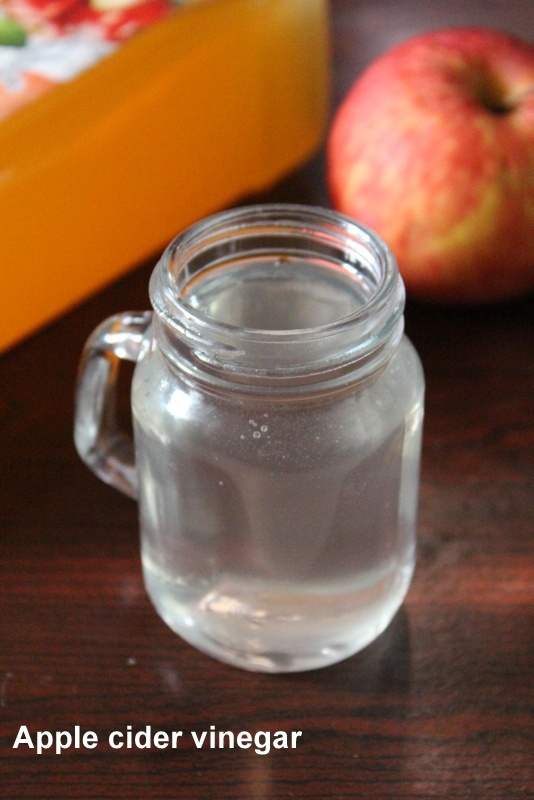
(217, 101)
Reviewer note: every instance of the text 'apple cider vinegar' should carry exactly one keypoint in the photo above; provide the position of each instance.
(216, 101)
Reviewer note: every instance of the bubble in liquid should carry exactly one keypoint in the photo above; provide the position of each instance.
(264, 428)
(256, 435)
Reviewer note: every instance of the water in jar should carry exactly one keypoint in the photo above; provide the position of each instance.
(277, 532)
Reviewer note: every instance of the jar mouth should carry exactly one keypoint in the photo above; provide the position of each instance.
(278, 288)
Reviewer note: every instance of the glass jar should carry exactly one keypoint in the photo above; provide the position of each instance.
(277, 410)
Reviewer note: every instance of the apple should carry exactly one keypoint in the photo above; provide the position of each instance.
(433, 148)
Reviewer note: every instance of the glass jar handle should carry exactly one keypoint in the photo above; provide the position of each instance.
(106, 449)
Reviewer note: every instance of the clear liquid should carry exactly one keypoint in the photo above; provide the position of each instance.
(278, 536)
(264, 294)
(271, 626)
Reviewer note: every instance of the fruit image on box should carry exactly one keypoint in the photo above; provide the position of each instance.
(433, 147)
(43, 44)
(217, 100)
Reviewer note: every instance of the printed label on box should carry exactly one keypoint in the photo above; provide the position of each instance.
(44, 43)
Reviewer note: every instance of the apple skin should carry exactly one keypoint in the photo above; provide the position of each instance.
(433, 148)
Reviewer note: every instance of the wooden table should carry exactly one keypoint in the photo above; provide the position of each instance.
(441, 706)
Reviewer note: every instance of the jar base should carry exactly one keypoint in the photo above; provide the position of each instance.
(248, 636)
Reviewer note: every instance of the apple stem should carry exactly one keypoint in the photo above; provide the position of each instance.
(510, 103)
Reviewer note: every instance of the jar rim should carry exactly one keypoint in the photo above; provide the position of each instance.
(347, 339)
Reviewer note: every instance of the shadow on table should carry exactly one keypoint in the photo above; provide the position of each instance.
(382, 665)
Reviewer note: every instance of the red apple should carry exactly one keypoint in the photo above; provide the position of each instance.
(433, 147)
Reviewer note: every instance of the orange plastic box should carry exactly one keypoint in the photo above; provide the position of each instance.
(218, 100)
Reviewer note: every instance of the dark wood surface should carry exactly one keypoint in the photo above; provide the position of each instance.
(440, 706)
